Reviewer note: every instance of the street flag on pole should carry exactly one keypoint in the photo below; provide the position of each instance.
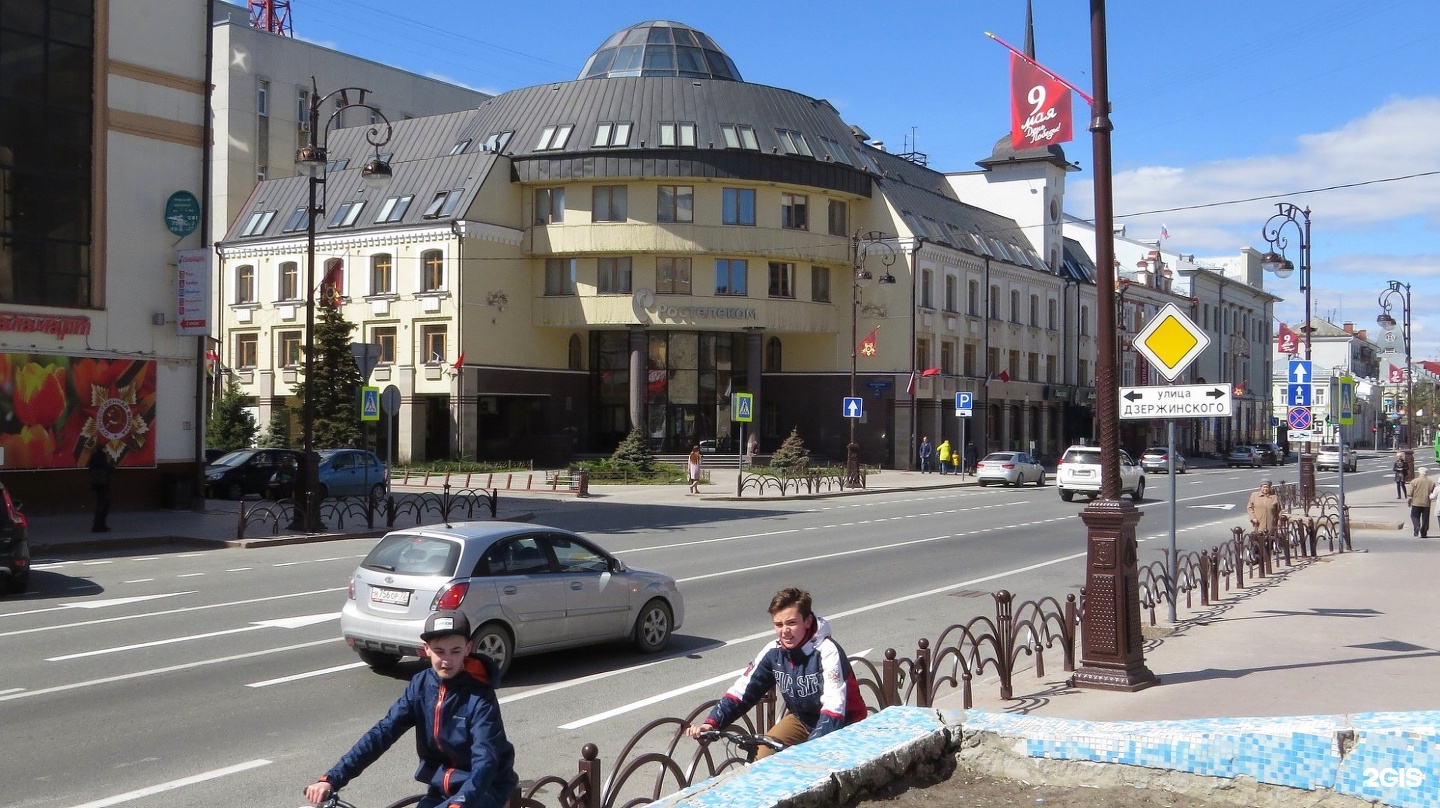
(910, 388)
(869, 346)
(1287, 341)
(1039, 106)
(1164, 231)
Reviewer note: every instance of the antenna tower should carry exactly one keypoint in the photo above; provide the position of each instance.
(272, 16)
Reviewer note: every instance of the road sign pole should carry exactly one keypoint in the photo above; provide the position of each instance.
(1170, 586)
(961, 446)
(740, 460)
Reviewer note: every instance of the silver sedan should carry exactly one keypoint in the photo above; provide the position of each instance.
(526, 589)
(1009, 468)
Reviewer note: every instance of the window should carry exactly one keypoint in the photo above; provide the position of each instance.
(793, 142)
(730, 276)
(922, 353)
(302, 111)
(394, 208)
(553, 138)
(497, 141)
(245, 284)
(820, 284)
(612, 134)
(573, 353)
(947, 357)
(835, 151)
(262, 97)
(346, 214)
(952, 293)
(994, 302)
(297, 221)
(559, 276)
(839, 218)
(247, 350)
(384, 336)
(969, 360)
(1014, 305)
(1014, 366)
(1082, 373)
(613, 276)
(739, 136)
(288, 349)
(927, 280)
(972, 302)
(259, 220)
(774, 355)
(443, 204)
(672, 276)
(382, 274)
(739, 204)
(1085, 320)
(289, 281)
(1034, 310)
(608, 204)
(459, 148)
(549, 205)
(675, 203)
(432, 340)
(782, 279)
(432, 271)
(792, 211)
(677, 134)
(1032, 367)
(337, 165)
(1051, 311)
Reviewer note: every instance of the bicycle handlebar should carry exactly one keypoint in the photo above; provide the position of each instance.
(745, 740)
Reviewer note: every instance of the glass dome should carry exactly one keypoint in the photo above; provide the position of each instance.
(660, 48)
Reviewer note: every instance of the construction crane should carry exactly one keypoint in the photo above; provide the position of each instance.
(272, 16)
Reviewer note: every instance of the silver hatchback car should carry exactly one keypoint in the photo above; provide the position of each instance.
(526, 589)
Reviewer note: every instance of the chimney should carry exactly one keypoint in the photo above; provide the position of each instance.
(1349, 328)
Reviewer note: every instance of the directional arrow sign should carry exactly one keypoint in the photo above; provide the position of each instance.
(853, 407)
(1177, 401)
(1300, 371)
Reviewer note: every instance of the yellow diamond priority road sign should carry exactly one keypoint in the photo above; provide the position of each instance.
(1170, 341)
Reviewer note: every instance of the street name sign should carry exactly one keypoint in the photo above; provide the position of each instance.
(1177, 401)
(1171, 342)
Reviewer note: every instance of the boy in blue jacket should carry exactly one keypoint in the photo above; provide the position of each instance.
(465, 758)
(807, 666)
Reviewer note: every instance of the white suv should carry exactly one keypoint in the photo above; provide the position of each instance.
(1328, 458)
(1079, 472)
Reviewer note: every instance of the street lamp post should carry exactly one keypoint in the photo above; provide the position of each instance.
(1387, 321)
(860, 247)
(311, 160)
(1277, 264)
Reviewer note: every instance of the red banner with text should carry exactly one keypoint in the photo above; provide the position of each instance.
(1039, 107)
(1287, 341)
(57, 410)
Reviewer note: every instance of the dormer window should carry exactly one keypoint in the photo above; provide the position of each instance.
(337, 165)
(259, 220)
(459, 148)
(553, 138)
(793, 142)
(611, 134)
(740, 136)
(298, 220)
(680, 134)
(394, 209)
(443, 204)
(346, 214)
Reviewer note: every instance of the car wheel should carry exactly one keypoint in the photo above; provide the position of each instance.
(1040, 483)
(377, 660)
(1066, 496)
(652, 627)
(1139, 492)
(493, 640)
(982, 483)
(234, 491)
(377, 491)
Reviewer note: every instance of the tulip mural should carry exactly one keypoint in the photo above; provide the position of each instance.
(56, 410)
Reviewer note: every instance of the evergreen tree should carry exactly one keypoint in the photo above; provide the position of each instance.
(333, 377)
(634, 452)
(277, 433)
(231, 426)
(792, 456)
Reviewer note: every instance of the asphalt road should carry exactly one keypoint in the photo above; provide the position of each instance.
(185, 677)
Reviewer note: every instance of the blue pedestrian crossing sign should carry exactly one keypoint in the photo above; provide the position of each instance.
(369, 404)
(854, 407)
(742, 407)
(964, 403)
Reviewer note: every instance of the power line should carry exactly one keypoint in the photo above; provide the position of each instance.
(1277, 196)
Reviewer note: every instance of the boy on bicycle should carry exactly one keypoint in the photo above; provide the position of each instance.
(465, 758)
(809, 668)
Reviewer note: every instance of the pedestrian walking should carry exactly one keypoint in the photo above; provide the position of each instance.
(101, 468)
(753, 447)
(1399, 468)
(1263, 508)
(1422, 497)
(970, 458)
(943, 453)
(694, 469)
(927, 453)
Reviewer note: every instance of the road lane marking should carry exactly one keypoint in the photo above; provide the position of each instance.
(190, 575)
(284, 622)
(655, 699)
(240, 569)
(95, 563)
(11, 690)
(138, 581)
(307, 675)
(161, 788)
(171, 669)
(181, 610)
(101, 604)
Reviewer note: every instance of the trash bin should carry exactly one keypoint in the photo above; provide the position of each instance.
(582, 482)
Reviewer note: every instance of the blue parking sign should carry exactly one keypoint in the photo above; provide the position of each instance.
(964, 401)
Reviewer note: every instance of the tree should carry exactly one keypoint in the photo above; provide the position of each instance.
(277, 433)
(634, 452)
(792, 456)
(231, 426)
(333, 376)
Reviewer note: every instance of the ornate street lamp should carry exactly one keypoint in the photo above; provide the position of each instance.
(312, 160)
(1396, 289)
(860, 247)
(1277, 264)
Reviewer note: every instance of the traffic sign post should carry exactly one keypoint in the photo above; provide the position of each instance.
(1170, 341)
(964, 405)
(369, 404)
(742, 411)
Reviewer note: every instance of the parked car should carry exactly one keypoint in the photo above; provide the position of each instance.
(14, 546)
(1157, 458)
(1270, 454)
(526, 589)
(1328, 458)
(245, 471)
(351, 473)
(1244, 456)
(1078, 472)
(1009, 468)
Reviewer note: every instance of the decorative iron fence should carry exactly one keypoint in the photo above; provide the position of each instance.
(269, 517)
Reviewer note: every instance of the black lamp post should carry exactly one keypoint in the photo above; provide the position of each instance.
(860, 247)
(311, 160)
(1386, 321)
(1277, 264)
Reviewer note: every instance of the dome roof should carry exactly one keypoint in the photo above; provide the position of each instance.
(660, 48)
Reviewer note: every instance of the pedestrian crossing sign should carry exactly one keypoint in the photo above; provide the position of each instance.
(742, 407)
(369, 404)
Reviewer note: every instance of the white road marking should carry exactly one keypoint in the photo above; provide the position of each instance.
(138, 581)
(181, 610)
(240, 569)
(284, 622)
(306, 675)
(189, 555)
(655, 699)
(11, 690)
(171, 669)
(101, 604)
(190, 575)
(841, 554)
(95, 563)
(161, 788)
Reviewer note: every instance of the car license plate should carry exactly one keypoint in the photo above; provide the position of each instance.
(1082, 472)
(393, 597)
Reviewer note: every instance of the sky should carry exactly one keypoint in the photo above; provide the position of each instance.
(1220, 108)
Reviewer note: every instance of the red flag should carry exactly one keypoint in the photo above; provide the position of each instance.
(1396, 374)
(910, 388)
(1039, 107)
(869, 346)
(1286, 341)
(459, 363)
(1003, 376)
(930, 372)
(332, 288)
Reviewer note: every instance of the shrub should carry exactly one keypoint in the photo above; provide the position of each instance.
(633, 453)
(792, 457)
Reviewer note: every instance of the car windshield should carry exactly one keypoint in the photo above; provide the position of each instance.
(1156, 450)
(1330, 448)
(235, 458)
(410, 554)
(998, 457)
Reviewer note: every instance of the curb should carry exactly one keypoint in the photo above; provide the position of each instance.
(834, 494)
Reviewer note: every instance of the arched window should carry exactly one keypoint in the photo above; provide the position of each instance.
(772, 355)
(1085, 320)
(382, 274)
(245, 284)
(575, 352)
(432, 271)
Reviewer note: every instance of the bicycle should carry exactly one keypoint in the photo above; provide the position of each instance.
(334, 801)
(747, 742)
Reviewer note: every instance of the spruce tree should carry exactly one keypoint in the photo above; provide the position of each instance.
(634, 452)
(277, 433)
(231, 426)
(792, 456)
(333, 377)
